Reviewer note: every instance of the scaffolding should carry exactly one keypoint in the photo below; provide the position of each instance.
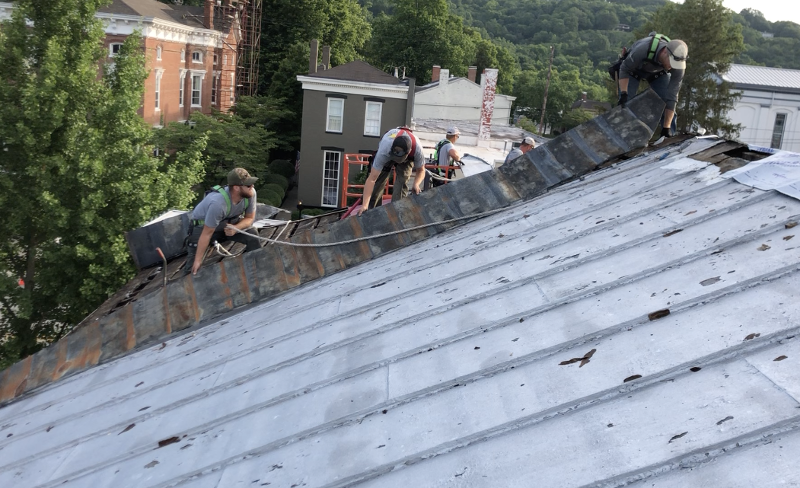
(249, 46)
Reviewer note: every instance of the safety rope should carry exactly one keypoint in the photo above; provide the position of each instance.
(385, 234)
(221, 250)
(438, 177)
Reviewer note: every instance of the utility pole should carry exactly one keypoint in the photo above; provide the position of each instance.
(546, 88)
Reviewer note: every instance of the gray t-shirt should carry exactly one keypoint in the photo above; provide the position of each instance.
(637, 64)
(514, 154)
(212, 209)
(384, 154)
(444, 156)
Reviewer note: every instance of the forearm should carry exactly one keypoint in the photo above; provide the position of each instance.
(419, 178)
(623, 85)
(246, 222)
(369, 186)
(202, 245)
(668, 114)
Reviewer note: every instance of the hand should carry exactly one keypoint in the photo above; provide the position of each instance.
(623, 99)
(196, 266)
(230, 230)
(362, 209)
(416, 189)
(665, 132)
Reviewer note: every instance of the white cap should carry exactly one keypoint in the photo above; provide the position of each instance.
(453, 131)
(529, 141)
(678, 52)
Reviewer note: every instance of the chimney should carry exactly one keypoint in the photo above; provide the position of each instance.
(444, 75)
(435, 72)
(412, 88)
(312, 59)
(583, 96)
(489, 85)
(208, 14)
(326, 57)
(473, 70)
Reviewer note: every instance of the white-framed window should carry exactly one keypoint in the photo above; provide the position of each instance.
(233, 84)
(215, 59)
(113, 48)
(372, 119)
(180, 88)
(214, 87)
(225, 60)
(197, 57)
(335, 115)
(183, 54)
(197, 89)
(777, 131)
(158, 53)
(159, 74)
(330, 178)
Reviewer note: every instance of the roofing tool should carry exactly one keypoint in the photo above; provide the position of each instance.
(163, 258)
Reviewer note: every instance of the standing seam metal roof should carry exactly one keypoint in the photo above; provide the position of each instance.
(638, 325)
(762, 76)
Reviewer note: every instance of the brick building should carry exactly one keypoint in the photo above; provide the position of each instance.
(191, 54)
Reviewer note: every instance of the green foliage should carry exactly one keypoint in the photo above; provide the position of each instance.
(282, 167)
(76, 170)
(576, 117)
(236, 139)
(714, 42)
(269, 197)
(277, 179)
(275, 189)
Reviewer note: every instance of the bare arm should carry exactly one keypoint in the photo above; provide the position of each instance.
(454, 154)
(418, 179)
(369, 186)
(202, 245)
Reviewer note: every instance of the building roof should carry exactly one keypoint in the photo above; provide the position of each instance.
(760, 77)
(636, 324)
(435, 83)
(182, 14)
(358, 71)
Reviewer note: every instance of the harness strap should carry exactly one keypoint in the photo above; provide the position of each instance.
(227, 197)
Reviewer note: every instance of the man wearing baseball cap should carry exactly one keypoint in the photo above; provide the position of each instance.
(662, 63)
(527, 145)
(401, 150)
(219, 214)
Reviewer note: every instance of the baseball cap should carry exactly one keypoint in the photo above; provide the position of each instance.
(453, 131)
(678, 52)
(240, 176)
(529, 141)
(401, 146)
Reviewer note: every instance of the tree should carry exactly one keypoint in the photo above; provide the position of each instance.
(76, 170)
(714, 42)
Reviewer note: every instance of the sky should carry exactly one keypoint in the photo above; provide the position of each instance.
(773, 10)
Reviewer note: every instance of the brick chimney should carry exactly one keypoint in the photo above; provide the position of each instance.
(489, 85)
(583, 96)
(435, 72)
(208, 14)
(326, 57)
(473, 71)
(312, 58)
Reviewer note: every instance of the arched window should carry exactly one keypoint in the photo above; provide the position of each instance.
(197, 57)
(158, 53)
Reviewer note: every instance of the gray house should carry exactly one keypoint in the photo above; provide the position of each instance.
(346, 109)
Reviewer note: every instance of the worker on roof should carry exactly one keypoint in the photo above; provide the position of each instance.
(400, 150)
(662, 63)
(218, 216)
(446, 154)
(526, 145)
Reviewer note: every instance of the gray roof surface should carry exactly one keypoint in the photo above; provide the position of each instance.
(760, 76)
(358, 71)
(182, 14)
(522, 349)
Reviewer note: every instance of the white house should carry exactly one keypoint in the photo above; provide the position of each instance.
(458, 99)
(770, 105)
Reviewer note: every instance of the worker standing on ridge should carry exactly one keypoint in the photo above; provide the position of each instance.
(527, 144)
(219, 214)
(398, 149)
(446, 153)
(662, 63)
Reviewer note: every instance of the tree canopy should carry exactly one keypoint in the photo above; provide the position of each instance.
(76, 170)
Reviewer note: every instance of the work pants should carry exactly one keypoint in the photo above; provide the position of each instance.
(218, 236)
(659, 85)
(400, 188)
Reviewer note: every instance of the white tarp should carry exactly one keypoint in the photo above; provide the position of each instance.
(473, 165)
(781, 172)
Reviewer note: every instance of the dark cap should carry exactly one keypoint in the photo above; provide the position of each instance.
(401, 146)
(240, 176)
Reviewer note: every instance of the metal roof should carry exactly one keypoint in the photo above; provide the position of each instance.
(358, 71)
(744, 76)
(635, 326)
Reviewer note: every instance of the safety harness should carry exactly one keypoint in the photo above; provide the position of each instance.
(651, 56)
(228, 205)
(403, 131)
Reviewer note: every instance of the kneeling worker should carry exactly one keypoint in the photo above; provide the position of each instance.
(527, 144)
(218, 216)
(399, 149)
